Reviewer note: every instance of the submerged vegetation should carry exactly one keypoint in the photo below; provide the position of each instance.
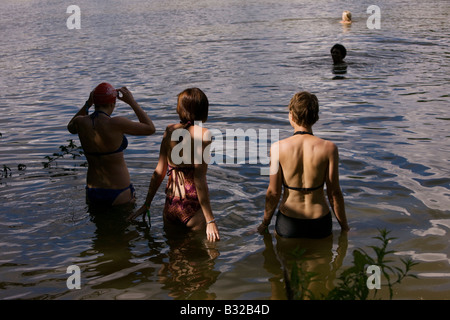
(6, 170)
(71, 150)
(355, 283)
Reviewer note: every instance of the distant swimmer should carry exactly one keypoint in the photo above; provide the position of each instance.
(103, 140)
(346, 17)
(338, 53)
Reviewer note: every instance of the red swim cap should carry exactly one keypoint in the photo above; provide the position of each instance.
(104, 93)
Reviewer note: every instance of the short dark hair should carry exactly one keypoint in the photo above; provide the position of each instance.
(304, 107)
(341, 48)
(192, 105)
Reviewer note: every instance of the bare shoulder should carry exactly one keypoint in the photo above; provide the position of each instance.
(200, 130)
(284, 144)
(206, 136)
(118, 120)
(169, 130)
(329, 144)
(205, 131)
(76, 122)
(81, 118)
(330, 147)
(120, 123)
(276, 146)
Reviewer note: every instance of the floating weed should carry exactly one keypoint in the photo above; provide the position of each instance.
(70, 150)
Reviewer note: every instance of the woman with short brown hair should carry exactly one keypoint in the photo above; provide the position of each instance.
(303, 163)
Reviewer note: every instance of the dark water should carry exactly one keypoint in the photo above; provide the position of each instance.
(388, 114)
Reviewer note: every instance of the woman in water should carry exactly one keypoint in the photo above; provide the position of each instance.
(338, 53)
(303, 163)
(346, 17)
(181, 159)
(103, 140)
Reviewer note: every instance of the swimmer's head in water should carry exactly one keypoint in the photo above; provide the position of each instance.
(338, 53)
(346, 16)
(104, 94)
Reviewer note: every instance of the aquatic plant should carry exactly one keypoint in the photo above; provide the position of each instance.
(353, 282)
(7, 172)
(65, 150)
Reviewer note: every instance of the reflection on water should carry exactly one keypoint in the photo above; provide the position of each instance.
(388, 114)
(318, 257)
(189, 271)
(182, 264)
(110, 246)
(339, 70)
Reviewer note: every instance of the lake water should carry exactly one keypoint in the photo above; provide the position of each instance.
(388, 114)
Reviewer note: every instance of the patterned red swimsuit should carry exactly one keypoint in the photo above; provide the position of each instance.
(180, 209)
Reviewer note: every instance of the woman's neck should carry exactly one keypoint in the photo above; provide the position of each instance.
(103, 110)
(302, 128)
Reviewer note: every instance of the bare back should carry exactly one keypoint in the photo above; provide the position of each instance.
(100, 136)
(304, 162)
(183, 147)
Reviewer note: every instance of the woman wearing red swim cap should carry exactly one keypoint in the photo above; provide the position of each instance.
(103, 140)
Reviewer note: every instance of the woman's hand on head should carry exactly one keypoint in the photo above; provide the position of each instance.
(126, 97)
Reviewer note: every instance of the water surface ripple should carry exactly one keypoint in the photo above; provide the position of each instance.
(388, 114)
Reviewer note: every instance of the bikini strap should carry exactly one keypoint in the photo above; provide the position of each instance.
(95, 115)
(303, 132)
(186, 124)
(96, 112)
(176, 168)
(298, 189)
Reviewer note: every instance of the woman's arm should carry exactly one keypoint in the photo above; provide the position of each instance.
(156, 180)
(72, 126)
(201, 185)
(273, 193)
(144, 126)
(334, 191)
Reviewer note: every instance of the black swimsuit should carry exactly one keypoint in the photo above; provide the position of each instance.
(295, 188)
(306, 190)
(122, 147)
(288, 227)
